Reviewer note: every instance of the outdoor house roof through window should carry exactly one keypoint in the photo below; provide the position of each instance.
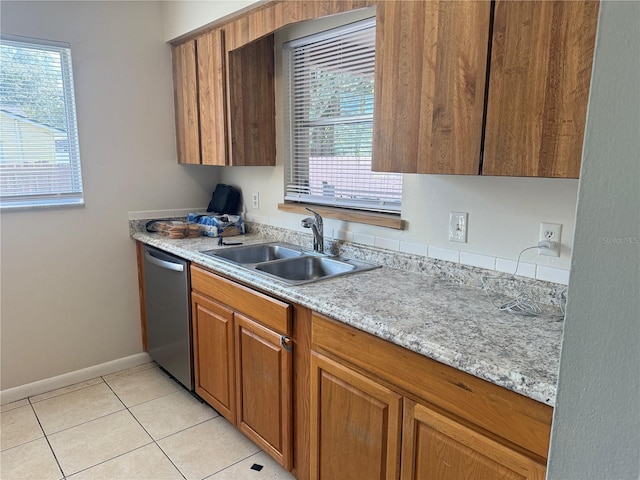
(39, 151)
(329, 117)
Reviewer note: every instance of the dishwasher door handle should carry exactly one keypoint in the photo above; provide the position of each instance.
(163, 263)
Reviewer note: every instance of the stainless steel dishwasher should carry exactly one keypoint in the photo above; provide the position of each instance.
(166, 283)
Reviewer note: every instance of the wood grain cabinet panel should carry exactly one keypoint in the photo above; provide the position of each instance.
(242, 367)
(185, 87)
(212, 97)
(264, 379)
(213, 354)
(252, 131)
(224, 101)
(435, 446)
(431, 72)
(431, 59)
(355, 424)
(449, 427)
(540, 74)
(200, 99)
(267, 18)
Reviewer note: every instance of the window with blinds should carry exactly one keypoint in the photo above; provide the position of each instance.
(329, 109)
(39, 152)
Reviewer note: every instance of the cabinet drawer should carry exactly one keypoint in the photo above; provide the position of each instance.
(514, 417)
(270, 312)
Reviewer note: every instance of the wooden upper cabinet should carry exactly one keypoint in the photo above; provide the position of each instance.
(540, 72)
(200, 99)
(212, 97)
(252, 115)
(431, 59)
(224, 101)
(266, 18)
(185, 86)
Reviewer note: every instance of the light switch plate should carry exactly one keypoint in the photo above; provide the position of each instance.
(458, 227)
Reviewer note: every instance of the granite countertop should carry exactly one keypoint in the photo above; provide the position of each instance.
(454, 324)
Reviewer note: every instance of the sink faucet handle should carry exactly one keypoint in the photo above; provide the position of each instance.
(316, 215)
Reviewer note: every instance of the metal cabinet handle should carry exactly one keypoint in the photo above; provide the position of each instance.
(163, 263)
(284, 343)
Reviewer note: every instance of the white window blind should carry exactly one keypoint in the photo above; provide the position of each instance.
(39, 152)
(329, 108)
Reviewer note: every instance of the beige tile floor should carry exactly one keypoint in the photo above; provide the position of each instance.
(134, 424)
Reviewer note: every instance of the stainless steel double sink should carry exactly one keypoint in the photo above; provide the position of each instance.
(289, 263)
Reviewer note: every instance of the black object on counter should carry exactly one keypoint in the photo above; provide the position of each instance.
(225, 199)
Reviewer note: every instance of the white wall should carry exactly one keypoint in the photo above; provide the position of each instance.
(184, 16)
(596, 427)
(69, 285)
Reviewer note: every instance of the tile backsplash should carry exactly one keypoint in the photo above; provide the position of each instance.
(543, 284)
(449, 265)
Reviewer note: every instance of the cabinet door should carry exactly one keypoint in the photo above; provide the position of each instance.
(213, 355)
(264, 388)
(185, 90)
(252, 113)
(435, 446)
(541, 60)
(355, 424)
(431, 60)
(212, 97)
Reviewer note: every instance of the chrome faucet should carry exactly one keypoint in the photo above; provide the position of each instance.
(315, 224)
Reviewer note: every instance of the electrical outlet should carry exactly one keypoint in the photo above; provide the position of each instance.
(458, 227)
(255, 200)
(550, 232)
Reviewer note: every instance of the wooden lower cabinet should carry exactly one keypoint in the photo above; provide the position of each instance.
(436, 447)
(263, 387)
(355, 424)
(353, 406)
(368, 395)
(213, 354)
(243, 361)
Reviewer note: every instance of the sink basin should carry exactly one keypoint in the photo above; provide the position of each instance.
(306, 268)
(289, 263)
(264, 252)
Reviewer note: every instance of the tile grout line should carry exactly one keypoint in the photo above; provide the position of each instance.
(46, 437)
(63, 393)
(85, 422)
(153, 440)
(112, 458)
(232, 464)
(175, 433)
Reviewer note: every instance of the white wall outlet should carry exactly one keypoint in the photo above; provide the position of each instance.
(550, 232)
(458, 227)
(255, 200)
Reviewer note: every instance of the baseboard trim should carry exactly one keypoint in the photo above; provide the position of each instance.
(60, 381)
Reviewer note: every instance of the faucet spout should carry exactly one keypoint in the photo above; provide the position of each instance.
(316, 226)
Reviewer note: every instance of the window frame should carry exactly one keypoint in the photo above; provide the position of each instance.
(380, 206)
(67, 156)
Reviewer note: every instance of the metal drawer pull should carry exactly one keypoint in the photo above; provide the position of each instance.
(284, 341)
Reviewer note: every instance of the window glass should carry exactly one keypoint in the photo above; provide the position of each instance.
(39, 152)
(329, 100)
